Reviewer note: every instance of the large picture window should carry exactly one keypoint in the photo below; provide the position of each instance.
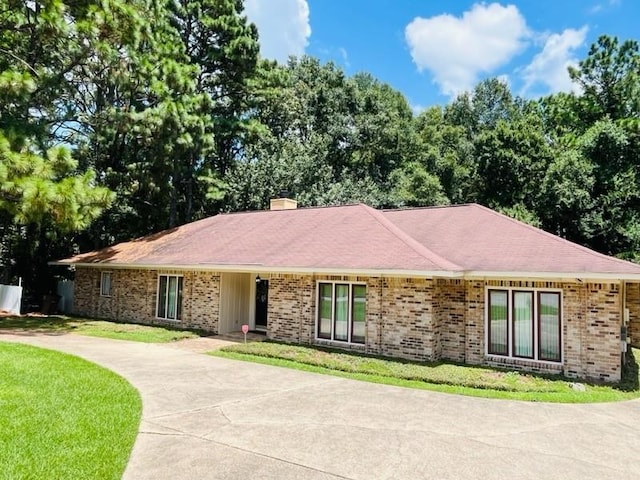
(524, 324)
(169, 304)
(342, 312)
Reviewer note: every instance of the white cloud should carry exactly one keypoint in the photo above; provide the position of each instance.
(283, 26)
(457, 49)
(549, 67)
(345, 56)
(598, 7)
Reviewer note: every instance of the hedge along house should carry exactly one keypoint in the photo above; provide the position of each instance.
(462, 283)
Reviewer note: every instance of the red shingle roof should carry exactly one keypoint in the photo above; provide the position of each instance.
(353, 238)
(483, 240)
(346, 237)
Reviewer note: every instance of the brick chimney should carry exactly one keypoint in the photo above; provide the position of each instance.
(283, 202)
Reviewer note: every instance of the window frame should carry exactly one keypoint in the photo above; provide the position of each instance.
(179, 292)
(488, 323)
(534, 297)
(102, 283)
(350, 303)
(536, 323)
(352, 322)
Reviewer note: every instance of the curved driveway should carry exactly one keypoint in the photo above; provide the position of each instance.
(206, 417)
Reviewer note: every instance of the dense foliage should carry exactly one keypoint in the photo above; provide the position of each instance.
(113, 126)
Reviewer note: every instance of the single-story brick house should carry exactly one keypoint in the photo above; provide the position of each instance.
(463, 283)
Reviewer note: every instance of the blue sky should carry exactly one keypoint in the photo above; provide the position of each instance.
(433, 49)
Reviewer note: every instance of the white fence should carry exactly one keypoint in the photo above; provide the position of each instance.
(10, 298)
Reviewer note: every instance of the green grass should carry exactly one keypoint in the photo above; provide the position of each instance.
(94, 328)
(444, 377)
(63, 417)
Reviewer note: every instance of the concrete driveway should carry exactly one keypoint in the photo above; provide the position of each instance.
(206, 417)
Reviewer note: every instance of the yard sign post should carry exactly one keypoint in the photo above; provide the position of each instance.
(245, 329)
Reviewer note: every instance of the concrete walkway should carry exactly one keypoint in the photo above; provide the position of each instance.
(206, 417)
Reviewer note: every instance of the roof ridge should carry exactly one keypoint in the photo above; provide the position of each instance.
(411, 242)
(427, 207)
(297, 209)
(557, 238)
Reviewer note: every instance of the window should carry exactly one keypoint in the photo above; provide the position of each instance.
(342, 312)
(169, 304)
(498, 322)
(105, 284)
(524, 324)
(549, 326)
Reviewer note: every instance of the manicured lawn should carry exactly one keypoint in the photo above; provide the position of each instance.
(63, 417)
(445, 377)
(94, 328)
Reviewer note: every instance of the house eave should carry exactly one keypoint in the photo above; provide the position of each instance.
(569, 276)
(387, 272)
(260, 268)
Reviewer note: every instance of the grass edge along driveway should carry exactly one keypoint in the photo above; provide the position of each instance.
(439, 376)
(63, 417)
(59, 324)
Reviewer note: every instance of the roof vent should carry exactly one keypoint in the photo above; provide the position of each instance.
(283, 202)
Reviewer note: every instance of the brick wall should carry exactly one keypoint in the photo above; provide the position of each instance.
(590, 330)
(450, 313)
(474, 326)
(376, 313)
(602, 337)
(133, 297)
(633, 304)
(399, 314)
(406, 324)
(574, 309)
(291, 308)
(202, 301)
(455, 327)
(413, 318)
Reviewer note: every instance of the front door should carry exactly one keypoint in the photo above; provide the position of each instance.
(262, 299)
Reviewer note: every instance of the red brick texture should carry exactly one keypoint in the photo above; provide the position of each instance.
(425, 319)
(412, 318)
(133, 297)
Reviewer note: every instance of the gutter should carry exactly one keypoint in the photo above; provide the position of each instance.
(260, 268)
(572, 276)
(453, 274)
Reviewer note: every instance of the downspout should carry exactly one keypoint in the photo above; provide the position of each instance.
(584, 297)
(300, 312)
(381, 316)
(623, 322)
(465, 319)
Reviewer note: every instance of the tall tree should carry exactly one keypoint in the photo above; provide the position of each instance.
(512, 160)
(610, 79)
(44, 192)
(334, 138)
(223, 45)
(148, 113)
(446, 151)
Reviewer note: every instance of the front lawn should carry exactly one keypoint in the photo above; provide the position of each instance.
(63, 417)
(94, 328)
(444, 377)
